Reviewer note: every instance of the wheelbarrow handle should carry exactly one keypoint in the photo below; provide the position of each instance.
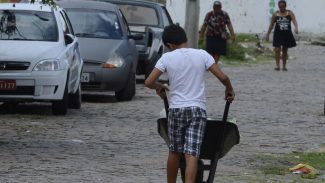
(225, 113)
(166, 105)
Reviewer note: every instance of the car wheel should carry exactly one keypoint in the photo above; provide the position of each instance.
(10, 107)
(128, 91)
(61, 107)
(75, 99)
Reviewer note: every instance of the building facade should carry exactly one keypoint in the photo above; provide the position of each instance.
(253, 16)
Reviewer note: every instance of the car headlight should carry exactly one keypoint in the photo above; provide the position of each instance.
(49, 65)
(114, 61)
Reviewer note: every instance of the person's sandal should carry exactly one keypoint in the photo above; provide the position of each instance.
(285, 69)
(277, 68)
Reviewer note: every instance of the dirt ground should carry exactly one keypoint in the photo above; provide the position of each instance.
(277, 112)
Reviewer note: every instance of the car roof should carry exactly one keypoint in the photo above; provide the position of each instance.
(137, 2)
(26, 6)
(88, 5)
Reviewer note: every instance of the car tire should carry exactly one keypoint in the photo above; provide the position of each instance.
(10, 107)
(60, 107)
(128, 91)
(75, 99)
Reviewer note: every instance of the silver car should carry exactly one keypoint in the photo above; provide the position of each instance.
(39, 56)
(107, 47)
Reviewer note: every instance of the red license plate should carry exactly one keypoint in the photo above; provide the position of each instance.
(7, 84)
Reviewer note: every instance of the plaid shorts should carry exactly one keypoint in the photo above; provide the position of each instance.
(185, 129)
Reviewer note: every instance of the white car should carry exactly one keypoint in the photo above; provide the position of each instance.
(39, 56)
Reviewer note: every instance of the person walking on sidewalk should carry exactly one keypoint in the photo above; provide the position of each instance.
(282, 36)
(185, 68)
(215, 27)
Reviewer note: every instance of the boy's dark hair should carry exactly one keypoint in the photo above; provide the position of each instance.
(282, 1)
(174, 34)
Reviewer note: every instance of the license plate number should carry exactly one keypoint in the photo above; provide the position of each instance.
(7, 84)
(85, 78)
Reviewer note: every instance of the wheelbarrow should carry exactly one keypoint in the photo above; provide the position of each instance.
(219, 137)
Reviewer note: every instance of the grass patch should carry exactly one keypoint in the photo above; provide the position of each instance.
(279, 165)
(274, 170)
(315, 159)
(246, 38)
(244, 51)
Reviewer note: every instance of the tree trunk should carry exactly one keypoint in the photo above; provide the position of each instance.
(192, 22)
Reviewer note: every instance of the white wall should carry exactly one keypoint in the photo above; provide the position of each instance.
(252, 16)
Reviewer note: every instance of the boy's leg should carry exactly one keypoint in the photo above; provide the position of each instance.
(193, 141)
(172, 166)
(191, 168)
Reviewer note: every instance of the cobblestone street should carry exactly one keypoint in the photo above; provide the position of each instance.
(117, 142)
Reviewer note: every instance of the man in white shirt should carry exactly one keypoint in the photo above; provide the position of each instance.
(185, 68)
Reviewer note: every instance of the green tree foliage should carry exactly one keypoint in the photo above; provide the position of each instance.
(50, 2)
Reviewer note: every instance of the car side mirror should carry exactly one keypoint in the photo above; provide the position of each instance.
(135, 36)
(68, 39)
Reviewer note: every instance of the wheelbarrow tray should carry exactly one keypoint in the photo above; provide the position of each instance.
(219, 137)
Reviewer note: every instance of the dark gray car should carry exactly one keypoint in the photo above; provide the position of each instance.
(107, 47)
(148, 19)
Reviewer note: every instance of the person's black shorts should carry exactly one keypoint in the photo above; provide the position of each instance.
(216, 45)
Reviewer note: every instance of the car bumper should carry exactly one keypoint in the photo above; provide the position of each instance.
(37, 86)
(105, 79)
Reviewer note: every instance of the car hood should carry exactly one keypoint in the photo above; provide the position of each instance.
(29, 51)
(98, 49)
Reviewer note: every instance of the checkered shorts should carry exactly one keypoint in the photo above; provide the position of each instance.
(185, 129)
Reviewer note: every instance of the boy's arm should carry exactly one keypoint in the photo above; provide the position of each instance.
(151, 82)
(223, 78)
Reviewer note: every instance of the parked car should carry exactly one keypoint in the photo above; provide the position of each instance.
(148, 19)
(107, 47)
(39, 56)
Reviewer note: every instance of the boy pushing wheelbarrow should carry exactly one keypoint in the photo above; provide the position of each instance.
(187, 117)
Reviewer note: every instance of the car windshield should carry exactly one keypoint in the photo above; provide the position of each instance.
(140, 15)
(28, 25)
(95, 23)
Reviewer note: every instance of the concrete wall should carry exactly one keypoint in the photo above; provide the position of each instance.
(253, 16)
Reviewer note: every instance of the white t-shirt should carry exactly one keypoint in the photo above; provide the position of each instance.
(185, 68)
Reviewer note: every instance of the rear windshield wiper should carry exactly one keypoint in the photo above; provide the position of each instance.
(41, 18)
(86, 34)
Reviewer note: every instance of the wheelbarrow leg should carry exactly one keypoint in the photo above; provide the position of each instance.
(213, 168)
(200, 171)
(182, 166)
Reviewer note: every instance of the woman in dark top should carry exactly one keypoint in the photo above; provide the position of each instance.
(282, 36)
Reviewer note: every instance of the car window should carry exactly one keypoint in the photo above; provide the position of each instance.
(64, 25)
(125, 24)
(140, 15)
(166, 18)
(67, 22)
(95, 23)
(28, 25)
